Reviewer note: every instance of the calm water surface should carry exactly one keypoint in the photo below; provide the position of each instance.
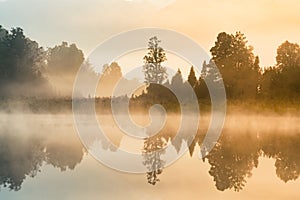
(257, 157)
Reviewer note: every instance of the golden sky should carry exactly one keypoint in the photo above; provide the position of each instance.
(266, 23)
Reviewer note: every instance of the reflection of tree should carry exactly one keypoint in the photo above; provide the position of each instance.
(232, 162)
(153, 149)
(197, 140)
(285, 150)
(64, 156)
(23, 155)
(19, 159)
(234, 156)
(287, 166)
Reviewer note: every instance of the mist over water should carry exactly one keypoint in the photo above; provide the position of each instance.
(36, 146)
(166, 151)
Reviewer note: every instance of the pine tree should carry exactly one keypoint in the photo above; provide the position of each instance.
(192, 77)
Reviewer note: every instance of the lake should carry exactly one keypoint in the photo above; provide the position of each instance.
(256, 157)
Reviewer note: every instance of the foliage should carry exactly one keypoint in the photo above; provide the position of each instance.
(237, 64)
(153, 70)
(21, 63)
(282, 81)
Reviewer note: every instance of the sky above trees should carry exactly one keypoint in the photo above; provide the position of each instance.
(267, 23)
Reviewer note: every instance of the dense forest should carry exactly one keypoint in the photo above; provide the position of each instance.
(41, 80)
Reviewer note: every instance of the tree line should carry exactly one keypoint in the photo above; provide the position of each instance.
(241, 73)
(27, 69)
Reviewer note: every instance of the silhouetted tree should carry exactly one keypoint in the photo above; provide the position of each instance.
(270, 84)
(153, 70)
(21, 63)
(209, 75)
(288, 56)
(63, 62)
(110, 76)
(156, 75)
(177, 80)
(87, 76)
(237, 64)
(201, 89)
(282, 81)
(192, 77)
(180, 87)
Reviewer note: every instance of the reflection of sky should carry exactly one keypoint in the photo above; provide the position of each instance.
(187, 179)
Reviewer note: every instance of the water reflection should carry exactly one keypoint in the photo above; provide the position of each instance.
(19, 158)
(23, 152)
(238, 151)
(232, 161)
(236, 154)
(285, 149)
(152, 151)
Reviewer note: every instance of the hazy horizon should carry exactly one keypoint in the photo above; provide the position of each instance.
(151, 99)
(266, 23)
